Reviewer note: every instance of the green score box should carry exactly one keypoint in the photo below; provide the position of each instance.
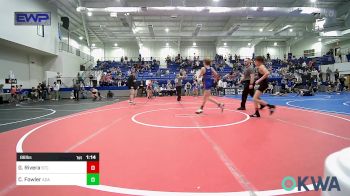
(93, 179)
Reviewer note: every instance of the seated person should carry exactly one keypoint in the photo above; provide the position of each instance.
(110, 95)
(95, 94)
(34, 94)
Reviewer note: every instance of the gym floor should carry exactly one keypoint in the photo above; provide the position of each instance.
(160, 147)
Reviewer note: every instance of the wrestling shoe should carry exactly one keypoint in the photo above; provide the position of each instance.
(272, 109)
(199, 111)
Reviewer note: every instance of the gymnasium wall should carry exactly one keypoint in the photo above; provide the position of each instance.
(129, 49)
(26, 67)
(27, 35)
(239, 48)
(155, 49)
(309, 43)
(278, 51)
(344, 46)
(29, 66)
(66, 63)
(202, 49)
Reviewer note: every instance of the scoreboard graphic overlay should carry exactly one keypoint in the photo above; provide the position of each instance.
(57, 169)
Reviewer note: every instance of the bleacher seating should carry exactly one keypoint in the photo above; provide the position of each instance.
(163, 75)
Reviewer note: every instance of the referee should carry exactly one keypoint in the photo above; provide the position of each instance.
(247, 81)
(178, 83)
(132, 87)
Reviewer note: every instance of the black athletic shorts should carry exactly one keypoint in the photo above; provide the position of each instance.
(263, 86)
(134, 87)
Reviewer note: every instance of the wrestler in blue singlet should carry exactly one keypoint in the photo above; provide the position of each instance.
(208, 78)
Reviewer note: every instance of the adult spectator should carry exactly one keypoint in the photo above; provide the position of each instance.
(20, 92)
(195, 87)
(56, 91)
(80, 79)
(110, 95)
(336, 75)
(95, 94)
(340, 56)
(220, 87)
(44, 90)
(328, 74)
(270, 88)
(132, 87)
(34, 94)
(58, 78)
(188, 87)
(76, 88)
(40, 92)
(1, 92)
(342, 83)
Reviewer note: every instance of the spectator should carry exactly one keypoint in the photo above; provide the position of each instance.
(328, 74)
(110, 95)
(336, 75)
(340, 56)
(76, 89)
(149, 89)
(195, 87)
(58, 78)
(188, 87)
(56, 91)
(95, 94)
(1, 88)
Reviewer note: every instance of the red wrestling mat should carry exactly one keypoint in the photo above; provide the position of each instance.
(161, 147)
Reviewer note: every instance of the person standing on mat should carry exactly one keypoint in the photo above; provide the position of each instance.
(132, 87)
(263, 74)
(247, 81)
(178, 83)
(207, 72)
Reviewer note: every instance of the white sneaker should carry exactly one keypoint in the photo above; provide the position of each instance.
(199, 111)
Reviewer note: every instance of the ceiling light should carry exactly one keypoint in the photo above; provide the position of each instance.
(81, 38)
(167, 30)
(249, 44)
(81, 9)
(261, 30)
(127, 14)
(194, 44)
(275, 44)
(115, 44)
(271, 30)
(313, 1)
(113, 14)
(89, 13)
(216, 0)
(93, 45)
(167, 44)
(225, 44)
(319, 39)
(290, 30)
(122, 9)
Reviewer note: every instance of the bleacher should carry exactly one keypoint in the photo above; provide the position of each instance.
(163, 75)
